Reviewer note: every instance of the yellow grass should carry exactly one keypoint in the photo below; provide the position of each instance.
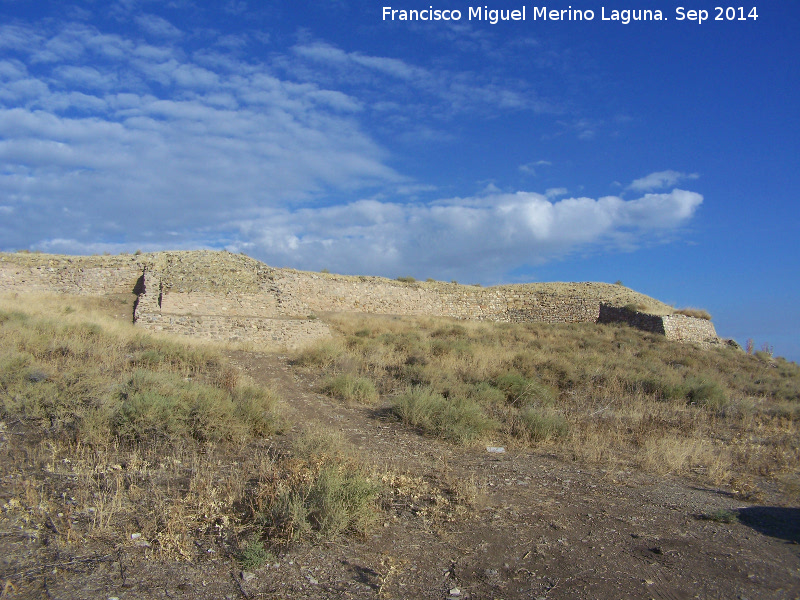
(626, 397)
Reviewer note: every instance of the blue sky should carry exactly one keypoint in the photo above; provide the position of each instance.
(314, 135)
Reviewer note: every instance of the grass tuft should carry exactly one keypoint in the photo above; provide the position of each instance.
(351, 389)
(460, 420)
(603, 393)
(523, 391)
(254, 556)
(697, 313)
(541, 425)
(322, 494)
(721, 516)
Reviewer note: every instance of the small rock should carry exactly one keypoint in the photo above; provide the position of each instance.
(311, 580)
(496, 449)
(247, 576)
(136, 536)
(455, 592)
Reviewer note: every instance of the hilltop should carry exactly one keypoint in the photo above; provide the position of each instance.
(204, 270)
(220, 295)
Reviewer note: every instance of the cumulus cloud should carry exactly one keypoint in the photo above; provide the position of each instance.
(556, 192)
(660, 180)
(459, 237)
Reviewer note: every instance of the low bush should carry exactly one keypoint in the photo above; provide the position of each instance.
(541, 425)
(254, 555)
(705, 392)
(95, 384)
(322, 354)
(459, 420)
(325, 503)
(321, 494)
(721, 515)
(522, 391)
(351, 389)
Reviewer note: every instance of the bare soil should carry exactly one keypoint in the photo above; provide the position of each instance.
(534, 526)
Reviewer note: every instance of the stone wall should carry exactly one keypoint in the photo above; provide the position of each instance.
(233, 297)
(674, 327)
(290, 333)
(689, 329)
(67, 277)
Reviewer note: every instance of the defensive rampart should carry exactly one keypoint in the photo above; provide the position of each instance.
(233, 297)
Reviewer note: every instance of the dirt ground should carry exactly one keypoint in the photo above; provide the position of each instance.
(536, 527)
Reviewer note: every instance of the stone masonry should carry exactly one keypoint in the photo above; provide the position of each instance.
(219, 295)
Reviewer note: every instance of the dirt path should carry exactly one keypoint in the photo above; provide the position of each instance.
(538, 527)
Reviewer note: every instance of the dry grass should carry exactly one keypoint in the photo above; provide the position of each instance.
(606, 394)
(318, 491)
(115, 434)
(351, 389)
(697, 313)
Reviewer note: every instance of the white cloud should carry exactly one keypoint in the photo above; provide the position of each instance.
(430, 91)
(531, 167)
(157, 26)
(660, 180)
(85, 76)
(556, 192)
(459, 237)
(161, 148)
(123, 151)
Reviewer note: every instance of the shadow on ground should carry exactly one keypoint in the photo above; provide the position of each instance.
(775, 521)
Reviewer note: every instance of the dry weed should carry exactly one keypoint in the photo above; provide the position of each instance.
(608, 394)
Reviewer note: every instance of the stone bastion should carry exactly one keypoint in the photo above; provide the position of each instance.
(224, 296)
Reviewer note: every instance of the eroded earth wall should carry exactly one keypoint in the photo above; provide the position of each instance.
(225, 296)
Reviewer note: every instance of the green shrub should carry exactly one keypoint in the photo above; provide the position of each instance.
(257, 408)
(406, 279)
(705, 392)
(333, 500)
(522, 391)
(317, 444)
(486, 394)
(164, 406)
(721, 515)
(351, 388)
(664, 385)
(418, 407)
(454, 347)
(322, 354)
(254, 555)
(459, 419)
(538, 425)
